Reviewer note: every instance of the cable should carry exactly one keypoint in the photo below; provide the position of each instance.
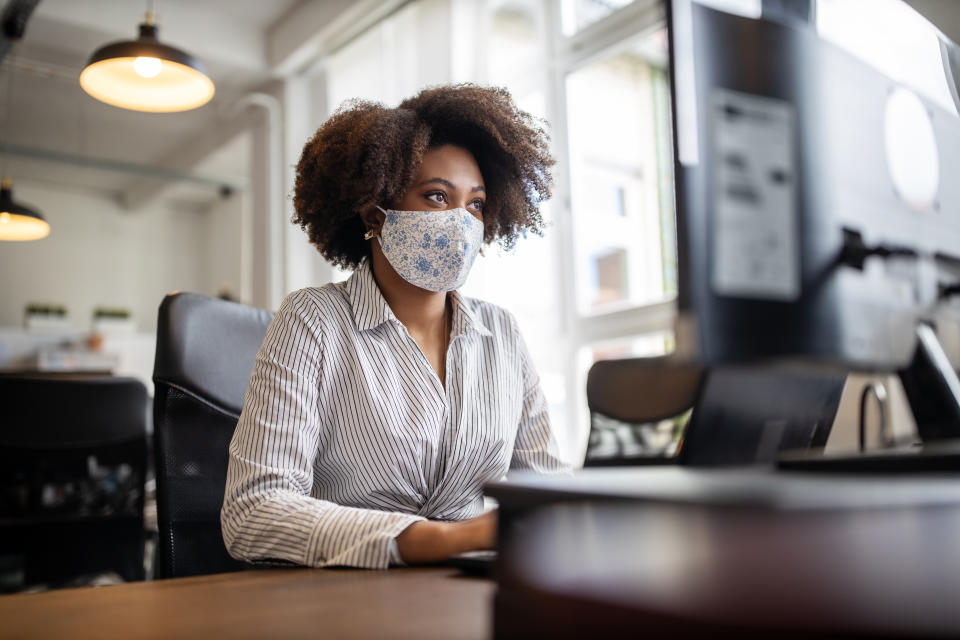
(855, 251)
(949, 290)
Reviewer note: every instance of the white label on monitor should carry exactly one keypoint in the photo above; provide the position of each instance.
(755, 232)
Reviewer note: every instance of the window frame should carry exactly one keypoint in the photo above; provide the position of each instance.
(567, 54)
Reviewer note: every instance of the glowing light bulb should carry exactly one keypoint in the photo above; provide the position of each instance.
(4, 217)
(147, 67)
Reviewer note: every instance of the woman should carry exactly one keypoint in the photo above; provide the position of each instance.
(378, 407)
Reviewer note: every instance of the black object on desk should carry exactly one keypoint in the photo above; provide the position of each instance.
(475, 563)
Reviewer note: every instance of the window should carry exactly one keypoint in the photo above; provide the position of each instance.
(601, 281)
(384, 65)
(515, 51)
(658, 343)
(524, 280)
(578, 14)
(620, 167)
(609, 271)
(612, 121)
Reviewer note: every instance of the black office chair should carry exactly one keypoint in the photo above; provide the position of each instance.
(73, 457)
(627, 398)
(205, 351)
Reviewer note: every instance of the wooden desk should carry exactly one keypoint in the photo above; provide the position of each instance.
(273, 603)
(752, 553)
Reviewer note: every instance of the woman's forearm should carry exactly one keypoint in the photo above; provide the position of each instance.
(432, 541)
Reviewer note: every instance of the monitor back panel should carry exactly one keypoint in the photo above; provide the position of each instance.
(780, 147)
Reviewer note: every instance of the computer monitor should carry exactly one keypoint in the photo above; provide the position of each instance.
(818, 202)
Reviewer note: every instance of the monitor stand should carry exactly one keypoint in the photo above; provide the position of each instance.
(933, 391)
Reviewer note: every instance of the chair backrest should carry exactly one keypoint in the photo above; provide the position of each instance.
(73, 459)
(205, 351)
(627, 397)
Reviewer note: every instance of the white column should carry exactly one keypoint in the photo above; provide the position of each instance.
(266, 215)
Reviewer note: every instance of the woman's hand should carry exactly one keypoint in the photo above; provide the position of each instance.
(432, 541)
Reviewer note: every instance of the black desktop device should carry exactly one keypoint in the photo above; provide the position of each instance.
(818, 223)
(818, 216)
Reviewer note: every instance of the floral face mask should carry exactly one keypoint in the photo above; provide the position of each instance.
(433, 250)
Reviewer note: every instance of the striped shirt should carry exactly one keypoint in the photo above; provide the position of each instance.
(347, 435)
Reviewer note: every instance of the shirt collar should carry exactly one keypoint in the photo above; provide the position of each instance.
(370, 308)
(464, 319)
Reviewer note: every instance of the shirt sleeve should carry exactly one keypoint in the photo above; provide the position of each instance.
(536, 447)
(268, 513)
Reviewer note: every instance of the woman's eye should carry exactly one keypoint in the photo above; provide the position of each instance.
(437, 196)
(479, 204)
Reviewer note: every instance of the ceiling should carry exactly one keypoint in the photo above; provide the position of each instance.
(47, 111)
(246, 45)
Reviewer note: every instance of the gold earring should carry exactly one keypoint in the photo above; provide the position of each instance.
(369, 235)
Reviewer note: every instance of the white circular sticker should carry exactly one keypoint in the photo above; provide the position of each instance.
(911, 150)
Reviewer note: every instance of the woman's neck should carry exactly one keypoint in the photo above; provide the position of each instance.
(422, 312)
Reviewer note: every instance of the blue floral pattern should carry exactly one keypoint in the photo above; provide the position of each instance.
(433, 250)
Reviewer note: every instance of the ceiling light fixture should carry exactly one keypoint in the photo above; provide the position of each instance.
(145, 75)
(19, 222)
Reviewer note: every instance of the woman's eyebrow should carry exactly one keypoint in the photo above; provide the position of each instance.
(442, 181)
(449, 184)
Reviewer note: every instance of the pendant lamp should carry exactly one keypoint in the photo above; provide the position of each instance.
(145, 75)
(18, 222)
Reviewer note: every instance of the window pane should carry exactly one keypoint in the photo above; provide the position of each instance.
(621, 172)
(578, 14)
(647, 345)
(515, 45)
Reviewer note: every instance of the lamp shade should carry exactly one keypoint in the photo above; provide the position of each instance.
(145, 75)
(17, 222)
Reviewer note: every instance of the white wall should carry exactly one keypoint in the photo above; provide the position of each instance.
(98, 254)
(225, 247)
(304, 110)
